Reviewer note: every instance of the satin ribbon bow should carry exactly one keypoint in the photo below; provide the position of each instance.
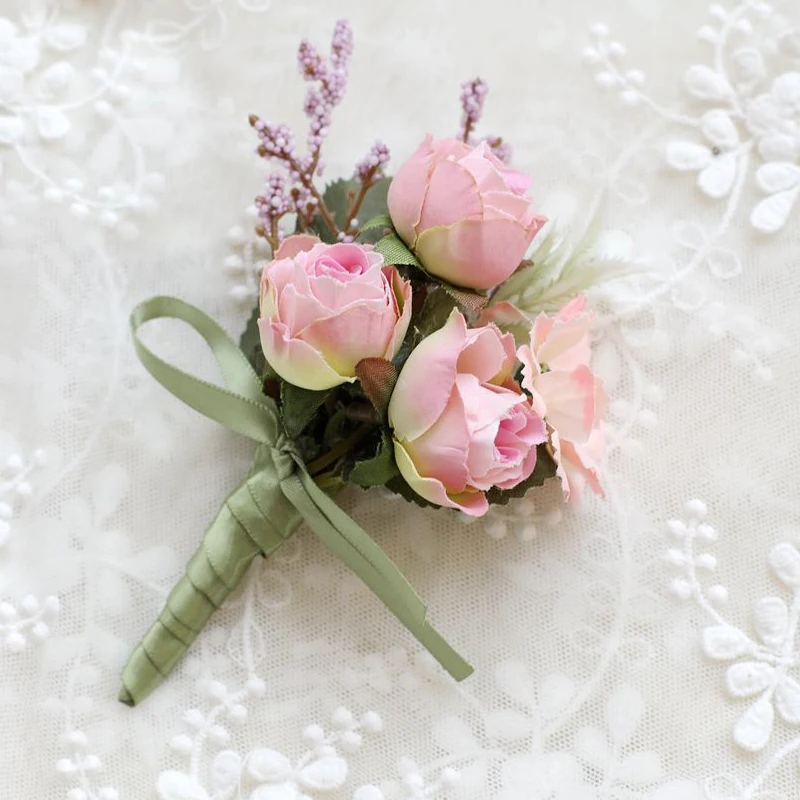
(277, 495)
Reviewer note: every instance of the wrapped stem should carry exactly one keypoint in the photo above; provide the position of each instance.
(240, 532)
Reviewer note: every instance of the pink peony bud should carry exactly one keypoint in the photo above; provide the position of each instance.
(466, 216)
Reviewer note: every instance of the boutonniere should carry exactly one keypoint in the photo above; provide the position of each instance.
(397, 342)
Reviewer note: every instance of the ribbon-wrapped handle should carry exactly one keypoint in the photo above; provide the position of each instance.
(277, 495)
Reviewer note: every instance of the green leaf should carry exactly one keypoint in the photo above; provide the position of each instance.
(435, 310)
(394, 251)
(379, 469)
(250, 343)
(381, 221)
(298, 407)
(375, 203)
(338, 198)
(378, 377)
(544, 470)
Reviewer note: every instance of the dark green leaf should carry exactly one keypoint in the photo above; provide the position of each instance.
(337, 198)
(379, 469)
(250, 342)
(339, 195)
(308, 447)
(394, 251)
(298, 407)
(375, 204)
(435, 311)
(378, 377)
(544, 470)
(381, 221)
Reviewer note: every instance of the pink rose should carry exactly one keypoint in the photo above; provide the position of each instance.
(461, 423)
(466, 216)
(567, 394)
(325, 307)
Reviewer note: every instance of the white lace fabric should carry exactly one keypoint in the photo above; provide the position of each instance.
(639, 648)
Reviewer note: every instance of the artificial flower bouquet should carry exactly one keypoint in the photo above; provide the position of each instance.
(385, 353)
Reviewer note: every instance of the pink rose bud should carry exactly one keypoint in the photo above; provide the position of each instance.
(567, 394)
(462, 425)
(325, 307)
(467, 217)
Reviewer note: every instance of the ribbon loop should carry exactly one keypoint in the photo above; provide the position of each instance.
(241, 405)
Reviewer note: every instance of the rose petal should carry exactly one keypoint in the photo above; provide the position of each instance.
(531, 368)
(580, 463)
(441, 452)
(297, 310)
(401, 290)
(472, 503)
(426, 379)
(407, 191)
(453, 195)
(503, 453)
(298, 243)
(483, 166)
(506, 205)
(296, 361)
(334, 337)
(563, 343)
(517, 182)
(570, 401)
(477, 254)
(488, 354)
(451, 148)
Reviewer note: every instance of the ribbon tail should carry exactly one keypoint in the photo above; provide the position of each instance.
(239, 533)
(362, 555)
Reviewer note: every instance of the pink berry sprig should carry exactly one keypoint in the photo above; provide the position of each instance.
(368, 171)
(473, 99)
(296, 192)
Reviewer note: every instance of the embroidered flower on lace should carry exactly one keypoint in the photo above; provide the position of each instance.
(266, 773)
(29, 618)
(763, 666)
(82, 766)
(746, 111)
(413, 784)
(15, 483)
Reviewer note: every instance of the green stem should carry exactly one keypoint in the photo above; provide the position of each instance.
(326, 459)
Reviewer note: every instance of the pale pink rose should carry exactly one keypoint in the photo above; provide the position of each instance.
(577, 465)
(566, 392)
(467, 217)
(461, 424)
(325, 307)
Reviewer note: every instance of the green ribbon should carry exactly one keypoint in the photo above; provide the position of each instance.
(277, 495)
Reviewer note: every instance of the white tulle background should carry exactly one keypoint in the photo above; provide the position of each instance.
(641, 648)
